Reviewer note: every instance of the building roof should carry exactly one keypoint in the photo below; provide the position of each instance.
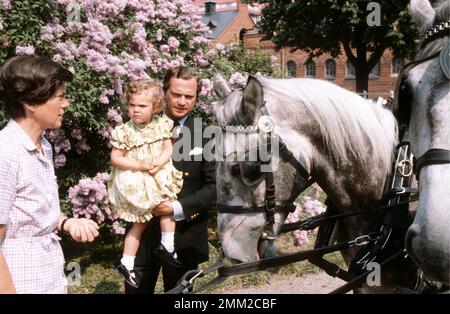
(218, 22)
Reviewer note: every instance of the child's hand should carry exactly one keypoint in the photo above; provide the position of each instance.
(154, 169)
(145, 165)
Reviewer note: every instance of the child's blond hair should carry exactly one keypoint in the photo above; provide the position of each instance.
(138, 86)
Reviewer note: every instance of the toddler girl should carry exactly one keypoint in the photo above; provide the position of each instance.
(143, 175)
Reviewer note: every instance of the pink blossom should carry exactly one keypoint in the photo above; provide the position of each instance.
(64, 50)
(114, 116)
(117, 228)
(173, 43)
(98, 35)
(57, 58)
(60, 144)
(118, 86)
(6, 4)
(25, 50)
(89, 198)
(301, 237)
(238, 80)
(211, 54)
(52, 30)
(81, 146)
(105, 132)
(76, 134)
(96, 61)
(59, 161)
(165, 49)
(158, 35)
(273, 60)
(313, 207)
(118, 34)
(207, 87)
(139, 36)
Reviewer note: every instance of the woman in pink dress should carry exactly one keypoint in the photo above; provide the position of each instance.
(31, 259)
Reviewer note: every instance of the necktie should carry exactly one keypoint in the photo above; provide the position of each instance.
(176, 131)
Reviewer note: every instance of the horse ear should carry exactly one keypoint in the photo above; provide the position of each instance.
(221, 86)
(423, 14)
(252, 100)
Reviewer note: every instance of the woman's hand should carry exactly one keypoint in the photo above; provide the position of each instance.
(6, 283)
(81, 229)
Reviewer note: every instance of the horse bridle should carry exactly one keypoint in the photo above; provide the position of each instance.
(434, 156)
(265, 125)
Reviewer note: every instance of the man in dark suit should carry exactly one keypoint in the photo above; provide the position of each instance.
(197, 196)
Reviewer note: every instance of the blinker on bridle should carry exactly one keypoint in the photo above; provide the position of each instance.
(433, 156)
(250, 173)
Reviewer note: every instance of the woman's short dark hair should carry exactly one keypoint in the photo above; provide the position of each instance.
(182, 72)
(29, 79)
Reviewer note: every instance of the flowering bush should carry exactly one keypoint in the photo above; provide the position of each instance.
(310, 206)
(105, 44)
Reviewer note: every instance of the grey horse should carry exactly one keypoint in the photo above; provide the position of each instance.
(428, 239)
(345, 142)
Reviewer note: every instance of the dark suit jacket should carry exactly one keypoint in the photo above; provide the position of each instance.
(197, 197)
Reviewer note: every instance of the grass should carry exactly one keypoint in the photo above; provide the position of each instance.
(99, 277)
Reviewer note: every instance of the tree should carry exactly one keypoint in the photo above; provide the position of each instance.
(364, 29)
(106, 44)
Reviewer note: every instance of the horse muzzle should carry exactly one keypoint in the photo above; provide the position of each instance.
(432, 256)
(266, 243)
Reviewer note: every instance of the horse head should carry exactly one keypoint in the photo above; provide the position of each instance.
(242, 171)
(322, 130)
(428, 239)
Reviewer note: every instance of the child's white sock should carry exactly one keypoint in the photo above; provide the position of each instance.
(128, 261)
(167, 239)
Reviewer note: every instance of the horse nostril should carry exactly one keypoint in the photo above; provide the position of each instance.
(235, 170)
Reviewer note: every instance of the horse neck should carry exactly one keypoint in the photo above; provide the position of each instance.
(350, 187)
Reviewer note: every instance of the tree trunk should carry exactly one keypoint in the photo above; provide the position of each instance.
(362, 80)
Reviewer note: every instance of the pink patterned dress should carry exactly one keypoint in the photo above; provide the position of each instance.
(29, 208)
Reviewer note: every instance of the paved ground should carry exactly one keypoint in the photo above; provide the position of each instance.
(319, 283)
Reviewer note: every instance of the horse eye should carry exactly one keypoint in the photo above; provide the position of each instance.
(235, 170)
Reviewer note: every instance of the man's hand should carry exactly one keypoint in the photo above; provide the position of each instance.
(82, 229)
(165, 208)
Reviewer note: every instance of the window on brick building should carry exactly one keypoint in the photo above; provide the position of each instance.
(292, 68)
(397, 65)
(330, 69)
(375, 72)
(350, 70)
(310, 69)
(210, 7)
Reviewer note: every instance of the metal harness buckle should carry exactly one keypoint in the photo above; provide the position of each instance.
(189, 283)
(362, 240)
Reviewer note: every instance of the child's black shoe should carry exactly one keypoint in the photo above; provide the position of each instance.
(167, 257)
(130, 276)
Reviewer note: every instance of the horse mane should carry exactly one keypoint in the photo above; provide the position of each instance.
(442, 9)
(350, 125)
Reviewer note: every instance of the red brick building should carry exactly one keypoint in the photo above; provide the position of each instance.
(227, 19)
(232, 21)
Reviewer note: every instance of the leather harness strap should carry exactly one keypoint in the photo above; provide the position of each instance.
(434, 156)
